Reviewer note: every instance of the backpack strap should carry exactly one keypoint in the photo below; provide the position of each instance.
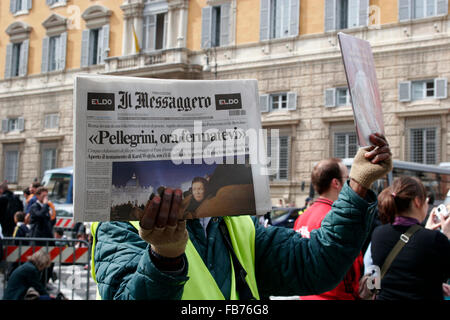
(404, 238)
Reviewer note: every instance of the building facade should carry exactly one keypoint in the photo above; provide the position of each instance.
(289, 46)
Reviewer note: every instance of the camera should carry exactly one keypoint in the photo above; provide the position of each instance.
(441, 212)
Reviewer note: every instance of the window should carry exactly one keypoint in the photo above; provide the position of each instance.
(54, 44)
(53, 53)
(423, 145)
(215, 26)
(423, 89)
(51, 121)
(95, 38)
(17, 6)
(282, 159)
(279, 19)
(345, 144)
(337, 97)
(344, 14)
(16, 62)
(416, 9)
(95, 43)
(52, 2)
(48, 156)
(343, 97)
(154, 31)
(278, 101)
(12, 124)
(11, 163)
(348, 14)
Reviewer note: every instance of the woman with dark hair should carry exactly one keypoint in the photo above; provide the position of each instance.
(423, 264)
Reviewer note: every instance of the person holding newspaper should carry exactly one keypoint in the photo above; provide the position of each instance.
(163, 257)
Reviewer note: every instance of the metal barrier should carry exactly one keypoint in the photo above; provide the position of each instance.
(61, 252)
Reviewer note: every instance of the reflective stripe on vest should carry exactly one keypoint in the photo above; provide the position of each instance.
(201, 284)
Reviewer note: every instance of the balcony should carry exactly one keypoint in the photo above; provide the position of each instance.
(168, 63)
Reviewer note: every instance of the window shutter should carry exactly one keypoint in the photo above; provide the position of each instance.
(440, 88)
(283, 167)
(264, 102)
(330, 97)
(99, 52)
(442, 7)
(273, 155)
(166, 28)
(8, 61)
(151, 32)
(404, 10)
(363, 12)
(23, 65)
(264, 23)
(29, 4)
(330, 15)
(206, 27)
(291, 100)
(62, 51)
(404, 91)
(104, 43)
(294, 17)
(45, 54)
(21, 124)
(85, 47)
(225, 24)
(13, 5)
(5, 125)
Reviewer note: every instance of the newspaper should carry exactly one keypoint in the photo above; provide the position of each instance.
(133, 136)
(363, 86)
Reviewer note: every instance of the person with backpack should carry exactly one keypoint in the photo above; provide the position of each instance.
(414, 261)
(9, 205)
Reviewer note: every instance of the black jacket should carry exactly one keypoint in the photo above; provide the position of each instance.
(419, 269)
(9, 205)
(41, 224)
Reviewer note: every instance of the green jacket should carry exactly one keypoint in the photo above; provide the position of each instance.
(285, 263)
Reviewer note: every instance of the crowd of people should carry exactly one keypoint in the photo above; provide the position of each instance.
(33, 219)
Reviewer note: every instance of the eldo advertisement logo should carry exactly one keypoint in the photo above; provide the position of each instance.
(100, 101)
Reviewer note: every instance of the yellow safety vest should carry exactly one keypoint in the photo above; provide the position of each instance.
(201, 284)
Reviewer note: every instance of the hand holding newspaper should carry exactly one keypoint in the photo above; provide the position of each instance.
(363, 87)
(136, 136)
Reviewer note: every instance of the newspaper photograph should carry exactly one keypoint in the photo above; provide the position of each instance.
(363, 86)
(133, 137)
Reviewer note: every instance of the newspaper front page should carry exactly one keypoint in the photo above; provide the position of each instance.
(134, 136)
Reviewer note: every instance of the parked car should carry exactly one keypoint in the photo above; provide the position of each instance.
(283, 217)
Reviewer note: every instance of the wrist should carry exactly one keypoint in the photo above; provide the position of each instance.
(166, 263)
(358, 188)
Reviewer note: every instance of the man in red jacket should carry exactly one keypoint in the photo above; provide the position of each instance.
(328, 178)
